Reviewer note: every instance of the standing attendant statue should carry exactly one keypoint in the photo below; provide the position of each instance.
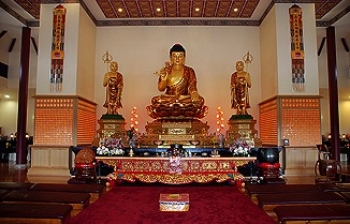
(113, 81)
(240, 83)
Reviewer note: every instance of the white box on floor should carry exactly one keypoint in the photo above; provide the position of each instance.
(174, 202)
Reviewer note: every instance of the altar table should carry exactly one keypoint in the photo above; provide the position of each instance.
(192, 169)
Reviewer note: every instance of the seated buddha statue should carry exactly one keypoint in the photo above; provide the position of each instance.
(180, 97)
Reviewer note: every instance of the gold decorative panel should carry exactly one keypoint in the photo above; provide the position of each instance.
(301, 121)
(63, 121)
(53, 123)
(268, 122)
(297, 119)
(86, 122)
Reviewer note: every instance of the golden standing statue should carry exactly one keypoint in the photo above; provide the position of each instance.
(240, 83)
(113, 81)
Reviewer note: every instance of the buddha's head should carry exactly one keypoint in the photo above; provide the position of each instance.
(177, 54)
(177, 48)
(114, 66)
(239, 65)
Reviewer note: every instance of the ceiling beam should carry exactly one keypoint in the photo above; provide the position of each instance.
(13, 42)
(3, 33)
(13, 13)
(34, 45)
(345, 44)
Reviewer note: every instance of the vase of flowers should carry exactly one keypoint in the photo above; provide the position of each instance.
(111, 146)
(132, 137)
(240, 148)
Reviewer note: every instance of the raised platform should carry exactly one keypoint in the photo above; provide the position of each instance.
(186, 131)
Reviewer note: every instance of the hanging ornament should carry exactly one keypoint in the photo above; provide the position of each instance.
(297, 49)
(57, 49)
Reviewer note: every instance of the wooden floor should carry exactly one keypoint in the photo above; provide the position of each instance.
(10, 174)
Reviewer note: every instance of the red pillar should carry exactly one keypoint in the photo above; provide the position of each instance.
(333, 92)
(21, 146)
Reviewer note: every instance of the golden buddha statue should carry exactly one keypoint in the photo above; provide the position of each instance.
(179, 84)
(240, 83)
(113, 81)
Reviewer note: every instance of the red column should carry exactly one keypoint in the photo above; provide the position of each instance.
(333, 92)
(21, 147)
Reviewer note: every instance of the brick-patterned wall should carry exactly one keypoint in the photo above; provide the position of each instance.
(268, 122)
(64, 120)
(296, 118)
(301, 121)
(86, 122)
(53, 122)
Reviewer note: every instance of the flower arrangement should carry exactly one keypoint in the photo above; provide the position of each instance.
(240, 147)
(132, 136)
(112, 145)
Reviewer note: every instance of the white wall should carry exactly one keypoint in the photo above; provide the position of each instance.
(79, 52)
(343, 79)
(86, 56)
(211, 51)
(9, 107)
(269, 58)
(284, 50)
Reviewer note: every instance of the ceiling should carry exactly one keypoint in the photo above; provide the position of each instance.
(104, 12)
(14, 14)
(174, 8)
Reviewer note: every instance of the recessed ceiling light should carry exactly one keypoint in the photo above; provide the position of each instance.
(7, 96)
(158, 9)
(197, 9)
(235, 10)
(120, 10)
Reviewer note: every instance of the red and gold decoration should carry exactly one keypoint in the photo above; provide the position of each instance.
(297, 48)
(194, 169)
(57, 50)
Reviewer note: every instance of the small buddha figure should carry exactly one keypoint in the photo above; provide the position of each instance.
(240, 83)
(179, 84)
(113, 81)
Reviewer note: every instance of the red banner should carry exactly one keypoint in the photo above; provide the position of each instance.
(57, 49)
(297, 48)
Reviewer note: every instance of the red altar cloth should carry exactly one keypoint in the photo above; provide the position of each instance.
(193, 169)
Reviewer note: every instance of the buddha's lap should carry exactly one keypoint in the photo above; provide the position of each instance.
(158, 110)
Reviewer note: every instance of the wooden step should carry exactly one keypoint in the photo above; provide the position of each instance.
(34, 213)
(95, 190)
(78, 201)
(312, 213)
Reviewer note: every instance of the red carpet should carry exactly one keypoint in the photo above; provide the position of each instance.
(140, 204)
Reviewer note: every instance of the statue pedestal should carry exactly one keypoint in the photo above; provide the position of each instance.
(245, 129)
(165, 132)
(112, 125)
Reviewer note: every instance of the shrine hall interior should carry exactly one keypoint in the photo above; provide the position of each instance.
(139, 39)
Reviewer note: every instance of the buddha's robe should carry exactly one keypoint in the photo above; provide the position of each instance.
(240, 96)
(179, 92)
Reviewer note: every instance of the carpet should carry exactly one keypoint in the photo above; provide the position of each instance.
(140, 205)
